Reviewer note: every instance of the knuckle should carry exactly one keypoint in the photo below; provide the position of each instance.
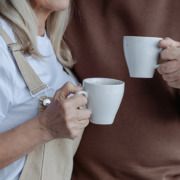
(87, 123)
(76, 115)
(164, 67)
(164, 77)
(163, 54)
(171, 65)
(88, 114)
(169, 84)
(66, 105)
(170, 51)
(159, 69)
(178, 55)
(73, 135)
(68, 85)
(167, 77)
(67, 125)
(69, 129)
(176, 64)
(170, 77)
(68, 118)
(81, 100)
(176, 77)
(57, 93)
(167, 53)
(84, 100)
(167, 38)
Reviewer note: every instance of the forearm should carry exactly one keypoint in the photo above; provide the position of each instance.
(20, 141)
(59, 120)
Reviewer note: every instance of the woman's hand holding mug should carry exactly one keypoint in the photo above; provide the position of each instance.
(63, 118)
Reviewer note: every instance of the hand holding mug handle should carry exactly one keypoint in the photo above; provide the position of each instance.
(170, 68)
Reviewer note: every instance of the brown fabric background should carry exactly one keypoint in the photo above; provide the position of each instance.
(144, 141)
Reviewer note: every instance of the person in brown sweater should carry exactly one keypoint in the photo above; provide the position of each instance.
(143, 143)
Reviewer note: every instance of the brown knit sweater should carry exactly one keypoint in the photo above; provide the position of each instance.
(144, 141)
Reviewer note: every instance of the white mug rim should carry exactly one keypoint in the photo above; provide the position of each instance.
(143, 37)
(118, 82)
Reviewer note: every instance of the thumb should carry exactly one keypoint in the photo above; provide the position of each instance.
(168, 42)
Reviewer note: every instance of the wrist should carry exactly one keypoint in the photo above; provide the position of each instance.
(43, 130)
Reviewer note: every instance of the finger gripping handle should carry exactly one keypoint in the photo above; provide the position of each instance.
(83, 93)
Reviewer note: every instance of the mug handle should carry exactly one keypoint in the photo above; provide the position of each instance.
(84, 93)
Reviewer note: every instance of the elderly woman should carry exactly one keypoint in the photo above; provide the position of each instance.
(39, 26)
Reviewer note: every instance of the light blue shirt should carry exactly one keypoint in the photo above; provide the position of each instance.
(16, 104)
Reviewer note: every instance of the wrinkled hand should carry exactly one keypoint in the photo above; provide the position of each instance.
(63, 118)
(170, 68)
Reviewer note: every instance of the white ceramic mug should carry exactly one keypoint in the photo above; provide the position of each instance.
(141, 54)
(104, 98)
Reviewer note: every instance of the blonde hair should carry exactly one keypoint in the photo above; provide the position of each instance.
(21, 17)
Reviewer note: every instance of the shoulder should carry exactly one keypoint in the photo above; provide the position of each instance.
(6, 72)
(5, 55)
(6, 83)
(6, 67)
(8, 29)
(6, 60)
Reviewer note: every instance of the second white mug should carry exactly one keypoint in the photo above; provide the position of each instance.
(104, 98)
(141, 54)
